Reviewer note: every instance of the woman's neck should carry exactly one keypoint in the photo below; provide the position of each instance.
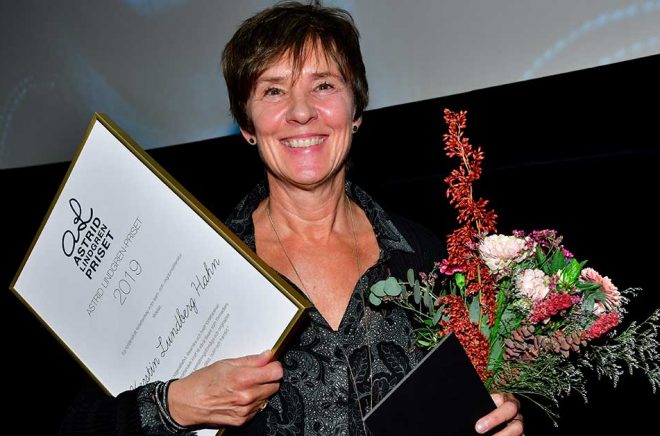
(312, 214)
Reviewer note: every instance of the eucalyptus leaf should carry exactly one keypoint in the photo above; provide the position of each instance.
(437, 316)
(373, 299)
(378, 288)
(417, 292)
(475, 310)
(495, 353)
(444, 318)
(428, 301)
(392, 287)
(411, 276)
(484, 327)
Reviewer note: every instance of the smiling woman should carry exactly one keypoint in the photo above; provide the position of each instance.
(297, 87)
(303, 125)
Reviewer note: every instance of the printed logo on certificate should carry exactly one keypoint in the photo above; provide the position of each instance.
(138, 280)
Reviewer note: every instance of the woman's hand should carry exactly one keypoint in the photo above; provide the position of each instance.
(507, 411)
(228, 392)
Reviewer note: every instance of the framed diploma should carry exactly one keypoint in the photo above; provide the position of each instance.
(138, 280)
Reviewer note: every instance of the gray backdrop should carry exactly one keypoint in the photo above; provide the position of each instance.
(152, 65)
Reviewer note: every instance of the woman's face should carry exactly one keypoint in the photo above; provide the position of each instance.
(303, 128)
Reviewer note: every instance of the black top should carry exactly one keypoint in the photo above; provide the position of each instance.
(331, 378)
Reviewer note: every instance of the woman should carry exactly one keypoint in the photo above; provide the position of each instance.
(297, 88)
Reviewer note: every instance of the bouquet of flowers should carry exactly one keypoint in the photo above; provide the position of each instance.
(531, 317)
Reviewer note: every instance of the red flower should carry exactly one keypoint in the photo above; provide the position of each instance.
(602, 325)
(551, 305)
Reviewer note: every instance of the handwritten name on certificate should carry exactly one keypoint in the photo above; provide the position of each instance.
(138, 280)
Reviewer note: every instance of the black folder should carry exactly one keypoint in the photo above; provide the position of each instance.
(443, 395)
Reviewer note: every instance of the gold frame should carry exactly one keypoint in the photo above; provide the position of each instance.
(294, 296)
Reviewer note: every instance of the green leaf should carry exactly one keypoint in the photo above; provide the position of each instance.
(373, 299)
(475, 310)
(590, 298)
(587, 286)
(558, 261)
(484, 327)
(423, 343)
(417, 292)
(428, 301)
(495, 353)
(540, 256)
(507, 316)
(571, 272)
(392, 287)
(437, 316)
(589, 302)
(378, 288)
(459, 278)
(411, 276)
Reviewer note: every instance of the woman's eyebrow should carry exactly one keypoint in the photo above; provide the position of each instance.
(271, 79)
(323, 74)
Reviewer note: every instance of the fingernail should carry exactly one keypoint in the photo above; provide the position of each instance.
(481, 426)
(263, 353)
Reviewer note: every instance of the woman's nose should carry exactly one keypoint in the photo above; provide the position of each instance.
(301, 108)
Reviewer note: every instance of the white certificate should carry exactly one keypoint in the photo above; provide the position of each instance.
(138, 280)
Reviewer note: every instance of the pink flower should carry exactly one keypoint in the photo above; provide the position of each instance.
(446, 268)
(612, 294)
(533, 283)
(500, 251)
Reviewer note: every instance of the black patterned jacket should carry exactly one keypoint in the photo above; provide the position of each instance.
(332, 378)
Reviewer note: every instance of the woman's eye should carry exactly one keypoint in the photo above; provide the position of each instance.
(272, 92)
(325, 86)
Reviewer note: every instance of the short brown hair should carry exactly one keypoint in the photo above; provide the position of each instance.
(289, 28)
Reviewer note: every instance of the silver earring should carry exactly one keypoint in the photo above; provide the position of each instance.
(252, 141)
(355, 128)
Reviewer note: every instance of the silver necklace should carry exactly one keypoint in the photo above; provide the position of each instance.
(364, 307)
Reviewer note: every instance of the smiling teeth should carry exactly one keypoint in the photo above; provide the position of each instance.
(301, 143)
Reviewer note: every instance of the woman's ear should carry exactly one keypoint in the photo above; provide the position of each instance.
(356, 124)
(249, 137)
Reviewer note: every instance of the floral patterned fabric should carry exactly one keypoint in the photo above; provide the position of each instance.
(333, 378)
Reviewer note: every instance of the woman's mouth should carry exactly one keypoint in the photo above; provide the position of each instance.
(303, 142)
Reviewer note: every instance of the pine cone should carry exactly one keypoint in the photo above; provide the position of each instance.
(522, 345)
(559, 343)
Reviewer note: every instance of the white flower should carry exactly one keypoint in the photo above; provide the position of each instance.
(500, 251)
(533, 283)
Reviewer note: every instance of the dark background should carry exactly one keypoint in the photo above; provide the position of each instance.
(578, 152)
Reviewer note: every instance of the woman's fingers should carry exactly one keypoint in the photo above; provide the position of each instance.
(254, 370)
(506, 411)
(228, 392)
